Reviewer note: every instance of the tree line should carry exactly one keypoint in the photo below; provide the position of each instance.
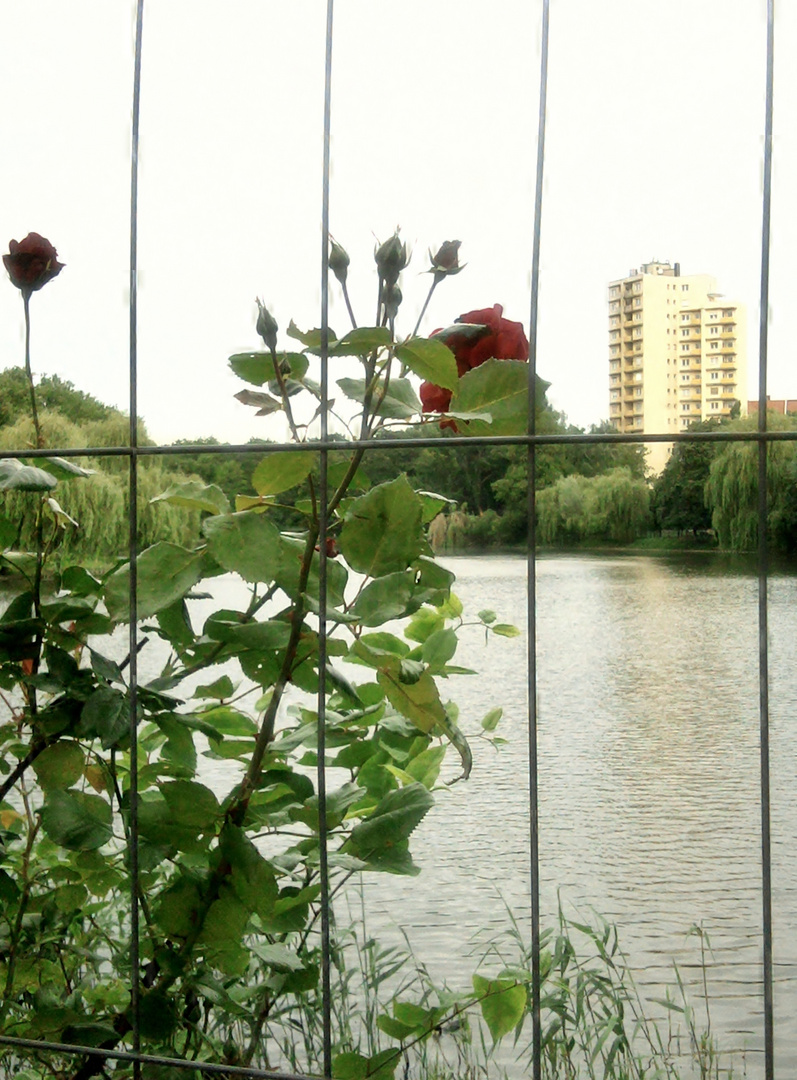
(586, 492)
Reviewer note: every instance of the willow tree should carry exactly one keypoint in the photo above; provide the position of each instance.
(732, 490)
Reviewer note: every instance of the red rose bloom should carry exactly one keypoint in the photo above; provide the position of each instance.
(477, 336)
(434, 398)
(31, 263)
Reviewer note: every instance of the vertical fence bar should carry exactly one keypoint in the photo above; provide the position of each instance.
(763, 567)
(323, 502)
(531, 576)
(133, 548)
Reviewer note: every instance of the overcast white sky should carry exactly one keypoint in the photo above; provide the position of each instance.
(654, 149)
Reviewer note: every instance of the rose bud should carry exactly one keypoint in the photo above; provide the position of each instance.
(446, 261)
(338, 261)
(266, 326)
(391, 258)
(31, 263)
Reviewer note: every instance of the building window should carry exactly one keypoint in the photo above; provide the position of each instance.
(714, 345)
(714, 330)
(684, 288)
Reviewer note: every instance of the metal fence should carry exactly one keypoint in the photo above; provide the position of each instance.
(134, 453)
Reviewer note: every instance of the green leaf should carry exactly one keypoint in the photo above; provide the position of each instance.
(311, 339)
(105, 716)
(224, 720)
(385, 598)
(425, 767)
(505, 630)
(191, 804)
(246, 543)
(8, 532)
(487, 616)
(76, 820)
(490, 721)
(400, 402)
(14, 476)
(165, 573)
(157, 1015)
(438, 649)
(194, 495)
(222, 688)
(280, 472)
(503, 1003)
(433, 504)
(253, 878)
(258, 367)
(271, 634)
(63, 469)
(430, 359)
(393, 819)
(382, 529)
(176, 909)
(60, 765)
(359, 342)
(499, 388)
(418, 701)
(264, 403)
(80, 582)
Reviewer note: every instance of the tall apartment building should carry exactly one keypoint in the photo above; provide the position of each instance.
(677, 353)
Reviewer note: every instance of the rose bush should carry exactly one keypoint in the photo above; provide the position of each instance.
(32, 262)
(476, 337)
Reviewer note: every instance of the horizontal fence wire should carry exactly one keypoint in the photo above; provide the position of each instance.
(448, 442)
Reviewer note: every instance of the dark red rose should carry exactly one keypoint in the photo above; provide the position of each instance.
(32, 262)
(503, 339)
(434, 398)
(476, 337)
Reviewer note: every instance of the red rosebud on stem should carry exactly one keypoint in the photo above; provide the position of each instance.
(31, 263)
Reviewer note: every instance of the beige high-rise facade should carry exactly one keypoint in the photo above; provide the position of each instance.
(677, 353)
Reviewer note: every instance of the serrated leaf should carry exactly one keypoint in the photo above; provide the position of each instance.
(382, 529)
(359, 342)
(105, 716)
(258, 367)
(431, 360)
(394, 818)
(194, 495)
(165, 572)
(76, 820)
(311, 339)
(400, 402)
(280, 472)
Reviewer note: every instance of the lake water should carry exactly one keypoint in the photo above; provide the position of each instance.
(648, 773)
